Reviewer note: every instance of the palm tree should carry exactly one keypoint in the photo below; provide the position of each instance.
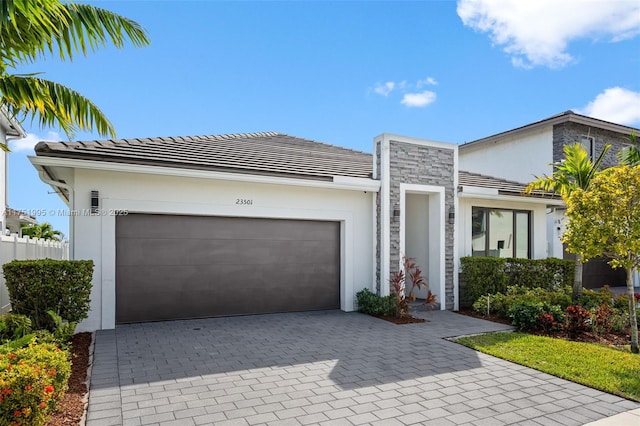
(575, 171)
(630, 155)
(31, 29)
(44, 231)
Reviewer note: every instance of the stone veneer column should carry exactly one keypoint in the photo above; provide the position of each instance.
(413, 161)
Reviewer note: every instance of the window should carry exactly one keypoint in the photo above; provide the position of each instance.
(588, 145)
(500, 232)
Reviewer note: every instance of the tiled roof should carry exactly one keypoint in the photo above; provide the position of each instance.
(504, 187)
(563, 117)
(266, 153)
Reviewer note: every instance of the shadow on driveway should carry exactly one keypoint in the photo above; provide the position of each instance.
(351, 349)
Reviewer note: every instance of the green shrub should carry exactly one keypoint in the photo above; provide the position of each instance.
(619, 322)
(372, 304)
(61, 286)
(492, 304)
(524, 315)
(32, 380)
(489, 275)
(500, 304)
(481, 275)
(536, 316)
(591, 299)
(14, 326)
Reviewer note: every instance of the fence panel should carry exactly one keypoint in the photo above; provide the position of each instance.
(13, 247)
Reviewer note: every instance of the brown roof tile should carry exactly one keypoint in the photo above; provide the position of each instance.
(267, 153)
(504, 186)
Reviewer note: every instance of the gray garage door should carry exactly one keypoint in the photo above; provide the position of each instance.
(178, 267)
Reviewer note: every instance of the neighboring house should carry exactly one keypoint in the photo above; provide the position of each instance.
(16, 220)
(9, 129)
(528, 151)
(265, 222)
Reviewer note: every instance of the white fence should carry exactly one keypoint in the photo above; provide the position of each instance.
(13, 247)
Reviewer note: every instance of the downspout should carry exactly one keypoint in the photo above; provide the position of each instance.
(72, 219)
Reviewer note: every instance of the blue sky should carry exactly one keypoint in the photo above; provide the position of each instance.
(344, 72)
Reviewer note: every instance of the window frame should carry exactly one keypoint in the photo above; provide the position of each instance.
(590, 140)
(487, 228)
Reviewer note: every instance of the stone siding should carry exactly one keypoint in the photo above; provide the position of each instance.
(568, 133)
(423, 165)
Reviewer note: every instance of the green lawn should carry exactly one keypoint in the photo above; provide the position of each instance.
(597, 366)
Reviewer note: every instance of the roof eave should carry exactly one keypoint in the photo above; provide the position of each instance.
(10, 124)
(333, 182)
(569, 117)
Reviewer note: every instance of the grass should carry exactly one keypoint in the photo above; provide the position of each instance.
(597, 366)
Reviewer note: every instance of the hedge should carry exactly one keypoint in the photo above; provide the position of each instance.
(485, 275)
(62, 286)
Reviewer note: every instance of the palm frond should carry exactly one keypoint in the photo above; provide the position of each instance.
(53, 104)
(576, 170)
(29, 28)
(630, 155)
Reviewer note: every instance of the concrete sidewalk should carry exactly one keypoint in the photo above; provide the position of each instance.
(327, 368)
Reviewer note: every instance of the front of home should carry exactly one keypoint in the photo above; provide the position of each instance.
(256, 223)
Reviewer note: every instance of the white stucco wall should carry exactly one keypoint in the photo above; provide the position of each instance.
(94, 236)
(3, 182)
(518, 158)
(538, 223)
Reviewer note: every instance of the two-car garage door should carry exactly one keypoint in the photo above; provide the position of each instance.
(178, 267)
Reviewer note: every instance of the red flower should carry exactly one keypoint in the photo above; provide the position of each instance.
(49, 389)
(28, 387)
(52, 372)
(42, 404)
(6, 391)
(17, 413)
(11, 356)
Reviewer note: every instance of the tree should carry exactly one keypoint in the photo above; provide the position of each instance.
(604, 220)
(43, 230)
(630, 155)
(32, 29)
(576, 171)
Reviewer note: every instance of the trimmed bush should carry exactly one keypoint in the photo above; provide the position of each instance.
(372, 304)
(489, 275)
(37, 286)
(32, 380)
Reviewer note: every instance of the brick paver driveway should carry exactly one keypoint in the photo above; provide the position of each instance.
(328, 368)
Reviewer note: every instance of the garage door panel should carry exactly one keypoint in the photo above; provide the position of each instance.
(199, 227)
(259, 290)
(153, 251)
(172, 277)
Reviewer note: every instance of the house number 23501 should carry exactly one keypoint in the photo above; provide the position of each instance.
(244, 202)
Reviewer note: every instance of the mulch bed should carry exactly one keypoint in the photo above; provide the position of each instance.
(402, 320)
(70, 408)
(469, 312)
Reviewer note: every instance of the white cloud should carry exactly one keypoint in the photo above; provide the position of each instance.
(537, 32)
(615, 104)
(384, 88)
(429, 81)
(412, 96)
(418, 100)
(27, 144)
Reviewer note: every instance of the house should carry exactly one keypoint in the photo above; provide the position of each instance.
(189, 227)
(10, 128)
(525, 152)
